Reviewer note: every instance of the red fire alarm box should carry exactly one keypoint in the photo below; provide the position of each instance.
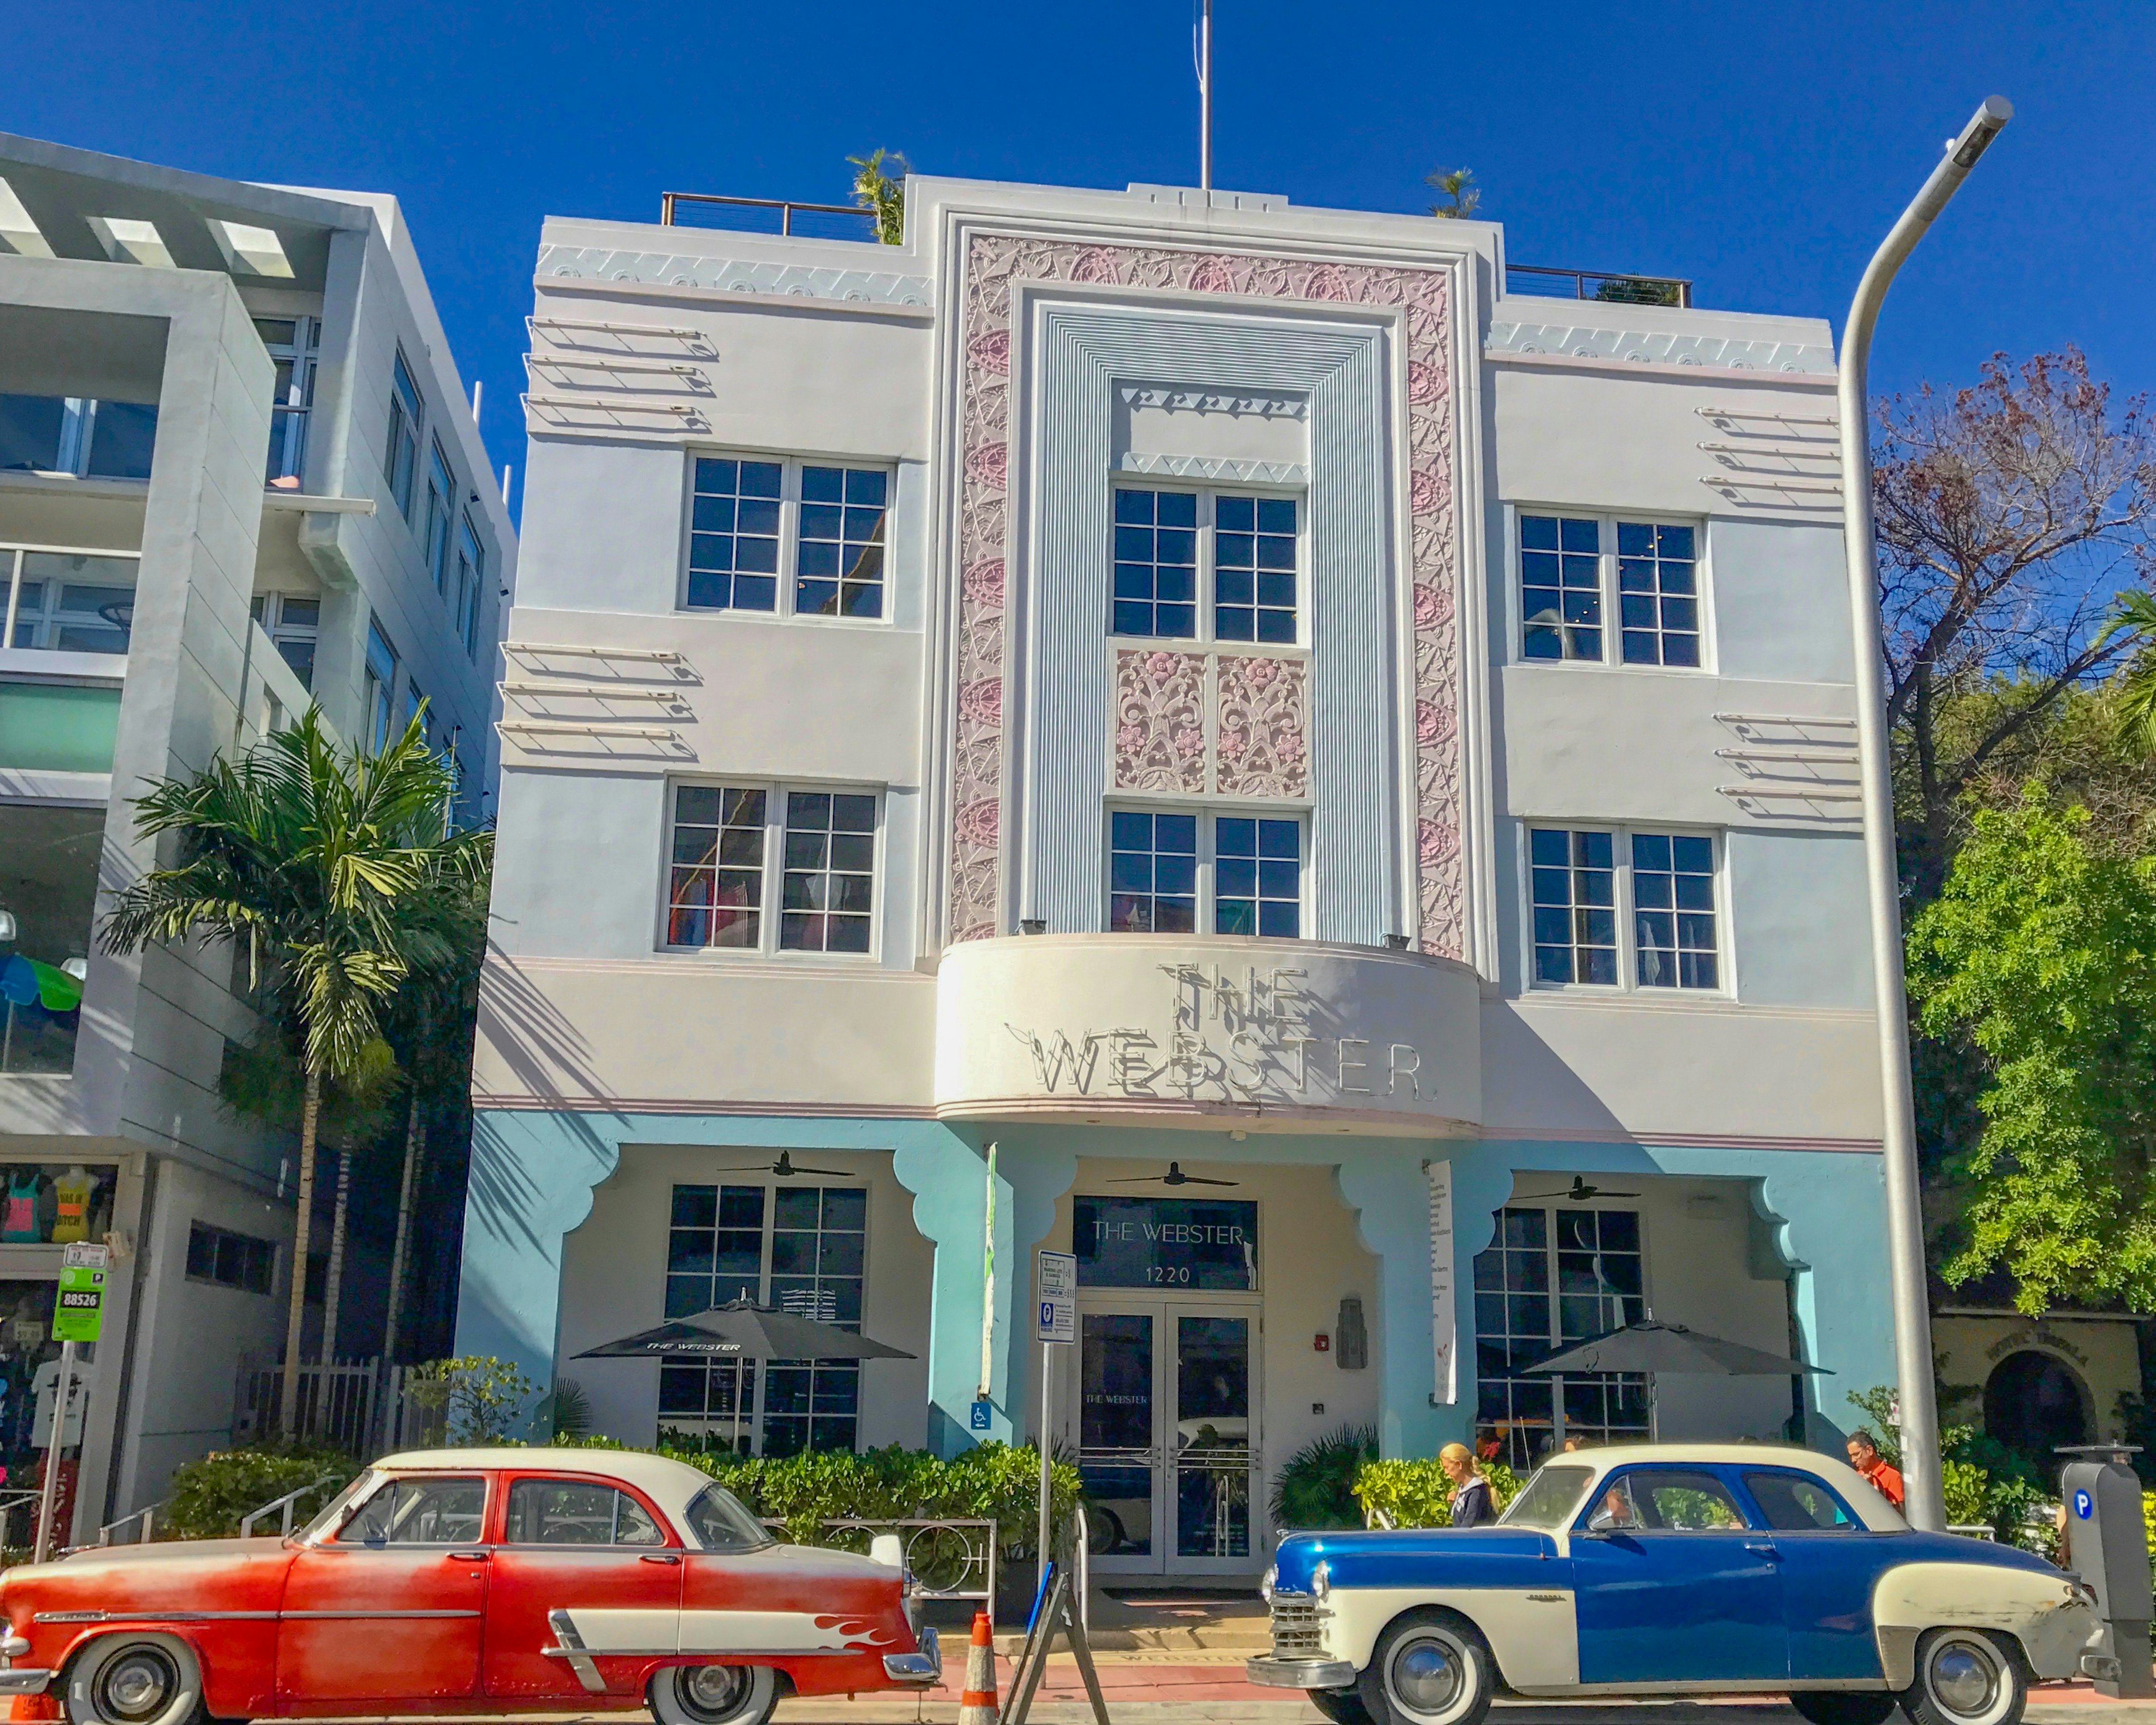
(1321, 1342)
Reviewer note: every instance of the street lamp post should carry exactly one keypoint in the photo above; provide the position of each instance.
(1905, 1221)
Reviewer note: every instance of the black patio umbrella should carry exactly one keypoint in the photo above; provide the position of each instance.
(740, 1331)
(1651, 1347)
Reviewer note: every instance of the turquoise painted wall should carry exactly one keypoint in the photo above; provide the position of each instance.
(532, 1174)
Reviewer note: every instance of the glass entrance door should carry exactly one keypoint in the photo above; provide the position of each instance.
(1167, 1438)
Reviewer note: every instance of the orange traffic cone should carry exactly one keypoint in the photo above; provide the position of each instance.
(976, 1705)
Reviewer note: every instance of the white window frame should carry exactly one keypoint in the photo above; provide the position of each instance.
(280, 629)
(771, 909)
(1607, 521)
(1208, 897)
(13, 557)
(289, 417)
(1628, 982)
(788, 573)
(470, 597)
(439, 532)
(1209, 496)
(379, 718)
(410, 423)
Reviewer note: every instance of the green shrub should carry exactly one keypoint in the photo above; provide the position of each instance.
(481, 1399)
(209, 1496)
(1418, 1493)
(1967, 1489)
(1316, 1487)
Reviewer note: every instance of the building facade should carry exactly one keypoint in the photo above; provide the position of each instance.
(237, 475)
(1245, 743)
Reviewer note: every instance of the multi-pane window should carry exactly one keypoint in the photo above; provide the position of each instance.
(441, 512)
(1561, 586)
(291, 342)
(78, 435)
(1152, 872)
(802, 1249)
(1550, 1278)
(1673, 911)
(1170, 545)
(293, 624)
(731, 843)
(400, 460)
(1595, 893)
(230, 1259)
(828, 524)
(1257, 877)
(68, 602)
(471, 578)
(1569, 582)
(1574, 878)
(1657, 593)
(1155, 579)
(830, 894)
(716, 897)
(1172, 873)
(839, 568)
(1254, 568)
(381, 687)
(733, 535)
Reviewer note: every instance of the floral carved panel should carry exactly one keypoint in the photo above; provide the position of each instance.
(994, 266)
(1261, 745)
(1160, 723)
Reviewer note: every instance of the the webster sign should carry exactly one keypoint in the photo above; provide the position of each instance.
(1217, 1032)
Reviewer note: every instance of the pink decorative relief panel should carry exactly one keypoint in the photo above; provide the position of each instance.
(1261, 745)
(995, 264)
(1160, 722)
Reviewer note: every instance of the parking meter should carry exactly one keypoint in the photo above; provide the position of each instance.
(2106, 1545)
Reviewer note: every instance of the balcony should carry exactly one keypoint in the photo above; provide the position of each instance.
(1274, 1035)
(48, 858)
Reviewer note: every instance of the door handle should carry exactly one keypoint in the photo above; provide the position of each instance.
(1763, 1549)
(468, 1557)
(659, 1557)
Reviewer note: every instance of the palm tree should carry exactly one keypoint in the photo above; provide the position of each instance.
(2133, 689)
(325, 858)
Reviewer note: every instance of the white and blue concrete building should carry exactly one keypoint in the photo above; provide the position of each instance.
(1242, 741)
(239, 475)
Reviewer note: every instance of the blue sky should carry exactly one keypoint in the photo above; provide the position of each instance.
(1760, 149)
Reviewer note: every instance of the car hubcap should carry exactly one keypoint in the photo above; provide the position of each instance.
(713, 1688)
(1426, 1676)
(137, 1685)
(1961, 1679)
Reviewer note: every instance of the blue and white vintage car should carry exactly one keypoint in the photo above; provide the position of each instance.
(1674, 1569)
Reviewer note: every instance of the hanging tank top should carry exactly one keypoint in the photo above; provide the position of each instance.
(71, 1223)
(19, 1220)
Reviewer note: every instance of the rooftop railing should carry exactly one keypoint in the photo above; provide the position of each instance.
(670, 202)
(1611, 287)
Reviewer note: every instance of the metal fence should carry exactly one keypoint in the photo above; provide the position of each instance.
(1610, 286)
(362, 1406)
(671, 205)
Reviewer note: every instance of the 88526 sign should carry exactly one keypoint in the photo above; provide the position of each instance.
(79, 1312)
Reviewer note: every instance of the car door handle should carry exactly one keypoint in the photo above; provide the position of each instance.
(468, 1557)
(659, 1557)
(1764, 1550)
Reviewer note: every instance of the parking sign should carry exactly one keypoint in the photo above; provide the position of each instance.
(1059, 1297)
(79, 1311)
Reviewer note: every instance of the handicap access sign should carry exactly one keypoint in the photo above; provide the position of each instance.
(2084, 1505)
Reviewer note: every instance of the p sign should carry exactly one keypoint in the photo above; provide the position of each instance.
(1059, 1297)
(79, 1313)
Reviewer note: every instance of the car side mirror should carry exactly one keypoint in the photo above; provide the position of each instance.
(1603, 1521)
(889, 1550)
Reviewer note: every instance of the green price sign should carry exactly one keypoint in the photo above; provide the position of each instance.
(79, 1311)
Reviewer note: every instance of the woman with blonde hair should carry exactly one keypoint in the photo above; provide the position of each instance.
(1472, 1506)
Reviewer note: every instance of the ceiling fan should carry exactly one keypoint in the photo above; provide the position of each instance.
(1580, 1192)
(1174, 1177)
(784, 1168)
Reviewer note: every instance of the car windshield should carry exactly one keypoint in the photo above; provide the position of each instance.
(721, 1523)
(1549, 1500)
(325, 1523)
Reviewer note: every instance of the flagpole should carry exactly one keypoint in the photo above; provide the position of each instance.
(1205, 96)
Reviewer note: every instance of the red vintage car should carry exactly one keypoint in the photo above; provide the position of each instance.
(468, 1581)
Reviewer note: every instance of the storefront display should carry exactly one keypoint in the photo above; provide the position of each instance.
(49, 1203)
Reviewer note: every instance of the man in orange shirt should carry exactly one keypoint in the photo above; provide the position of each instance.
(1865, 1457)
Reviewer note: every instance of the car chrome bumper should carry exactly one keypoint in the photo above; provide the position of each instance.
(25, 1680)
(1300, 1673)
(922, 1668)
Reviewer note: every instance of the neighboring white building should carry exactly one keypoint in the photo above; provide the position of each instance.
(215, 398)
(1241, 735)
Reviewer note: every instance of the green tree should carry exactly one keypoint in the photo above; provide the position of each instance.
(880, 187)
(1462, 194)
(326, 859)
(2040, 950)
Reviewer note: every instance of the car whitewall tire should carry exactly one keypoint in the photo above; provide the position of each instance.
(714, 1695)
(134, 1680)
(1432, 1667)
(1966, 1676)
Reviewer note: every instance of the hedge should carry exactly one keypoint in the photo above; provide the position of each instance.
(210, 1496)
(1419, 1493)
